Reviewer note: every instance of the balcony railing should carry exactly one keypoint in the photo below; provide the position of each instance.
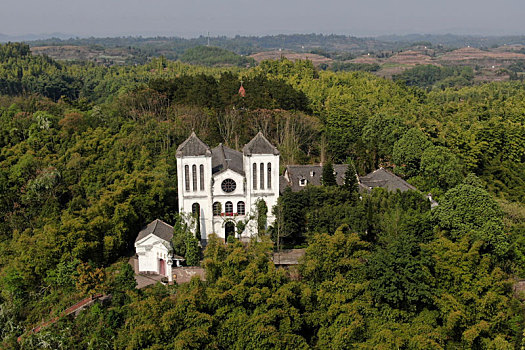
(229, 214)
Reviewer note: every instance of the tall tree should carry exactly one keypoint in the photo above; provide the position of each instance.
(328, 176)
(351, 184)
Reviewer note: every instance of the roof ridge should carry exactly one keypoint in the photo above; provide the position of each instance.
(264, 146)
(155, 227)
(198, 141)
(164, 222)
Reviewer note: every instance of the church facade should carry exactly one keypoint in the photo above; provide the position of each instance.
(220, 187)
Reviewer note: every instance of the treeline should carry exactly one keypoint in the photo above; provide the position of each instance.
(174, 47)
(435, 77)
(215, 56)
(206, 91)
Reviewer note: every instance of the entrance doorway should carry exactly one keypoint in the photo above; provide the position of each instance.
(229, 230)
(162, 267)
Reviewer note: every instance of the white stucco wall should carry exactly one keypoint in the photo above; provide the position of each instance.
(213, 192)
(188, 198)
(269, 195)
(149, 250)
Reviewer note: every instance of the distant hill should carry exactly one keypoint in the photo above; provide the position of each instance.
(452, 40)
(172, 47)
(4, 38)
(292, 56)
(215, 56)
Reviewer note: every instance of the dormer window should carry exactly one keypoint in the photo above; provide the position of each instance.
(312, 173)
(302, 182)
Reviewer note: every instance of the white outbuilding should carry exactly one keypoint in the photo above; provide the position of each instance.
(154, 249)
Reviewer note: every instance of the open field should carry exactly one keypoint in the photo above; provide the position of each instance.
(292, 56)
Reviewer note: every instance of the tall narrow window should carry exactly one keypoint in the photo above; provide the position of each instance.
(269, 176)
(187, 177)
(229, 207)
(194, 175)
(195, 209)
(201, 174)
(262, 176)
(254, 180)
(217, 209)
(241, 208)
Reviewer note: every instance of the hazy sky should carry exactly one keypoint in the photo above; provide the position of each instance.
(245, 17)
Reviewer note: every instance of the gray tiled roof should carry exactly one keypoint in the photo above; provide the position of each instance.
(159, 228)
(312, 174)
(384, 178)
(193, 146)
(283, 183)
(226, 158)
(259, 145)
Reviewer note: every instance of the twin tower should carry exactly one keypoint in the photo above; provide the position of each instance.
(221, 187)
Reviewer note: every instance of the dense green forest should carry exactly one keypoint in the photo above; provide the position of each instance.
(88, 158)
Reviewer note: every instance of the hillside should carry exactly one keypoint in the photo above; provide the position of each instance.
(88, 159)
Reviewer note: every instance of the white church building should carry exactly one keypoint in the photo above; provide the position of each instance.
(221, 186)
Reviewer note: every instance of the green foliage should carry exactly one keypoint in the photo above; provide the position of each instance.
(193, 252)
(399, 274)
(351, 67)
(262, 216)
(429, 76)
(408, 151)
(214, 56)
(125, 278)
(380, 134)
(328, 256)
(465, 208)
(473, 180)
(185, 241)
(207, 91)
(350, 182)
(328, 176)
(468, 209)
(440, 168)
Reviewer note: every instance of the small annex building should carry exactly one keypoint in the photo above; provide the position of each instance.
(155, 251)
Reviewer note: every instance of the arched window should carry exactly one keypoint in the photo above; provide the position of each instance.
(241, 208)
(262, 176)
(254, 176)
(196, 209)
(229, 207)
(201, 170)
(194, 175)
(187, 177)
(217, 208)
(269, 176)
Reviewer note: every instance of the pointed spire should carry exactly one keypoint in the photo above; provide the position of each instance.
(259, 145)
(193, 146)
